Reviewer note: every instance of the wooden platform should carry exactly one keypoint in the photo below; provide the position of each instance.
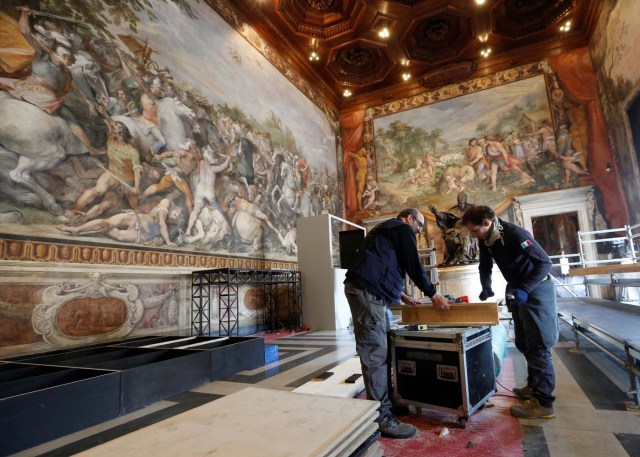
(606, 269)
(254, 423)
(459, 314)
(335, 385)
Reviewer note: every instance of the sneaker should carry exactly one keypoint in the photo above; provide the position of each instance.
(532, 409)
(524, 393)
(393, 428)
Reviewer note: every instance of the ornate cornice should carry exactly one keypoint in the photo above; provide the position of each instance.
(59, 252)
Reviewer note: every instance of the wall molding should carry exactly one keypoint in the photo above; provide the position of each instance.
(60, 252)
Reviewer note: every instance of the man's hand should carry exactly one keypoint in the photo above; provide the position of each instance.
(407, 300)
(440, 303)
(486, 294)
(520, 297)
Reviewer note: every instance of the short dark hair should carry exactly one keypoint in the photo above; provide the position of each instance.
(407, 212)
(476, 214)
(124, 132)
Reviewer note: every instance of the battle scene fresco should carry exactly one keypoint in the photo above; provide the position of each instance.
(116, 129)
(614, 49)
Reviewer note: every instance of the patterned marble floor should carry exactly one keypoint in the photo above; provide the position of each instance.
(591, 418)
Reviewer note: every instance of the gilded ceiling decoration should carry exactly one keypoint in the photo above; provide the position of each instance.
(378, 48)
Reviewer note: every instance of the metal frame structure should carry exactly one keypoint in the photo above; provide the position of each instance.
(632, 232)
(201, 303)
(594, 333)
(631, 361)
(225, 284)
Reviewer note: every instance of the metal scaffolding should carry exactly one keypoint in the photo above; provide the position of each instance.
(224, 283)
(201, 303)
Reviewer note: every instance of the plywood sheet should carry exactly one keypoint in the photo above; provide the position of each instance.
(359, 436)
(335, 385)
(250, 423)
(459, 314)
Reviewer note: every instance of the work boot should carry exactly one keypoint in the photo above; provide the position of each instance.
(393, 428)
(532, 409)
(524, 393)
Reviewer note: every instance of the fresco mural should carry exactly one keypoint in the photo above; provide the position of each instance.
(115, 129)
(532, 128)
(490, 144)
(614, 51)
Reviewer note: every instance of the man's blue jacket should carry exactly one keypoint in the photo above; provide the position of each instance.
(388, 254)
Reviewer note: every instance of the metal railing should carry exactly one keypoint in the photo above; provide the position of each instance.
(631, 232)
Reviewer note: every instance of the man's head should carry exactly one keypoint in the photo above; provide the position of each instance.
(478, 221)
(413, 217)
(122, 95)
(156, 87)
(122, 131)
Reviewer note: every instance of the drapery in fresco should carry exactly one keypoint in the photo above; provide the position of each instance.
(575, 70)
(614, 51)
(352, 127)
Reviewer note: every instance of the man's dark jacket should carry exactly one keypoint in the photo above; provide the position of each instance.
(524, 265)
(388, 254)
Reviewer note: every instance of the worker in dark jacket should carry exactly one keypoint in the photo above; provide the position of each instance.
(389, 253)
(531, 298)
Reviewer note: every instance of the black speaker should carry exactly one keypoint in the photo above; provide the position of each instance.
(350, 244)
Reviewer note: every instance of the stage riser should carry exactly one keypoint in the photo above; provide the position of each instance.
(48, 395)
(61, 402)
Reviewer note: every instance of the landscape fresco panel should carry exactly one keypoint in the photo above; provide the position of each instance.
(492, 144)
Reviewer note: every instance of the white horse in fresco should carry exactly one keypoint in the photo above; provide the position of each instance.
(172, 115)
(290, 195)
(38, 142)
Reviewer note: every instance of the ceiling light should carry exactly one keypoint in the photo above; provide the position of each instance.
(485, 52)
(483, 38)
(384, 33)
(565, 27)
(404, 62)
(480, 2)
(347, 93)
(406, 76)
(314, 56)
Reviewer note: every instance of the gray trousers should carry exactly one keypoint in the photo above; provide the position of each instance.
(371, 325)
(535, 325)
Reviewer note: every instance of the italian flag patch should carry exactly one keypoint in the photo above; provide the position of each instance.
(525, 244)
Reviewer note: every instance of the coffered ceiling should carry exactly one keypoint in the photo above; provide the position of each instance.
(429, 42)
